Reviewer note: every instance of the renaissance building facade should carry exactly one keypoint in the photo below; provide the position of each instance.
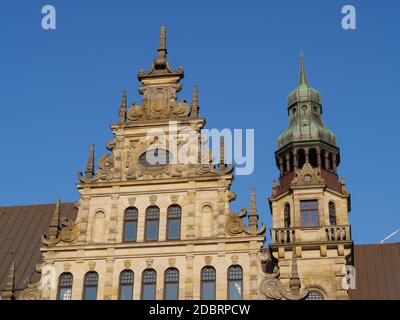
(150, 226)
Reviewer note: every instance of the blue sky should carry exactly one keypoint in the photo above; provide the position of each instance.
(60, 89)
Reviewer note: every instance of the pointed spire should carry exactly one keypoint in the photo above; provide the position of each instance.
(90, 164)
(294, 281)
(122, 108)
(162, 50)
(195, 103)
(55, 222)
(8, 293)
(253, 216)
(303, 75)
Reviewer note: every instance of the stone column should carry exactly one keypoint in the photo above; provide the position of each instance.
(109, 277)
(327, 166)
(287, 163)
(319, 157)
(306, 151)
(295, 159)
(83, 217)
(334, 163)
(189, 278)
(281, 170)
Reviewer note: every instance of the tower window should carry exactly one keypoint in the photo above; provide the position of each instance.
(332, 214)
(208, 276)
(152, 221)
(149, 279)
(174, 222)
(130, 224)
(90, 286)
(65, 286)
(126, 285)
(235, 283)
(309, 213)
(171, 284)
(315, 295)
(286, 216)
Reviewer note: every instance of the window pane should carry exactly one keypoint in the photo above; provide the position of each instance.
(65, 294)
(149, 292)
(315, 295)
(235, 290)
(126, 292)
(309, 213)
(152, 230)
(90, 293)
(174, 226)
(171, 291)
(208, 290)
(130, 231)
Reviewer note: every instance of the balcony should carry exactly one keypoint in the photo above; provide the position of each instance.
(311, 234)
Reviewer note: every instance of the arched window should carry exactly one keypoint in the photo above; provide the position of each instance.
(90, 286)
(235, 283)
(65, 286)
(332, 214)
(208, 276)
(313, 158)
(126, 285)
(174, 222)
(149, 280)
(171, 284)
(301, 156)
(286, 216)
(130, 224)
(152, 220)
(315, 295)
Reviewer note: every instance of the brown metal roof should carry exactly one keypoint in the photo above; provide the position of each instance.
(377, 272)
(21, 228)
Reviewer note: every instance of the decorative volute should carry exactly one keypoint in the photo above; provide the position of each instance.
(8, 293)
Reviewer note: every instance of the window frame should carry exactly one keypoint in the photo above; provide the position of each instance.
(146, 220)
(234, 280)
(120, 285)
(130, 220)
(166, 282)
(316, 291)
(206, 281)
(154, 283)
(309, 212)
(59, 287)
(172, 219)
(331, 205)
(85, 286)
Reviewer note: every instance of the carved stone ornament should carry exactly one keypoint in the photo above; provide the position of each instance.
(208, 260)
(33, 291)
(127, 264)
(92, 265)
(149, 263)
(234, 225)
(68, 233)
(307, 176)
(105, 172)
(272, 288)
(172, 262)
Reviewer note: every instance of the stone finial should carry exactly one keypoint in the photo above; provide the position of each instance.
(89, 172)
(8, 293)
(253, 216)
(123, 108)
(163, 39)
(274, 188)
(294, 281)
(54, 226)
(195, 103)
(342, 185)
(222, 153)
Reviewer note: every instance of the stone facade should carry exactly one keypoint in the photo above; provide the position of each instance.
(298, 259)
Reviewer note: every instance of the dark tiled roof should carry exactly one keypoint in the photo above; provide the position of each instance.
(21, 228)
(377, 272)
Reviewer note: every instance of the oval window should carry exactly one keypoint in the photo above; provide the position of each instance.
(155, 158)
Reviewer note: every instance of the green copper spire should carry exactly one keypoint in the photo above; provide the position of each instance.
(303, 75)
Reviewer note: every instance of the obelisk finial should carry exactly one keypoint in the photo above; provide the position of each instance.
(89, 172)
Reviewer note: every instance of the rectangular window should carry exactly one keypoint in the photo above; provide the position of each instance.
(208, 290)
(130, 231)
(171, 291)
(174, 228)
(90, 293)
(309, 213)
(152, 230)
(65, 294)
(235, 290)
(149, 292)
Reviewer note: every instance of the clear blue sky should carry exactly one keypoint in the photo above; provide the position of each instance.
(60, 90)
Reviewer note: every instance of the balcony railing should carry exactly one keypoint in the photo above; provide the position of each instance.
(305, 234)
